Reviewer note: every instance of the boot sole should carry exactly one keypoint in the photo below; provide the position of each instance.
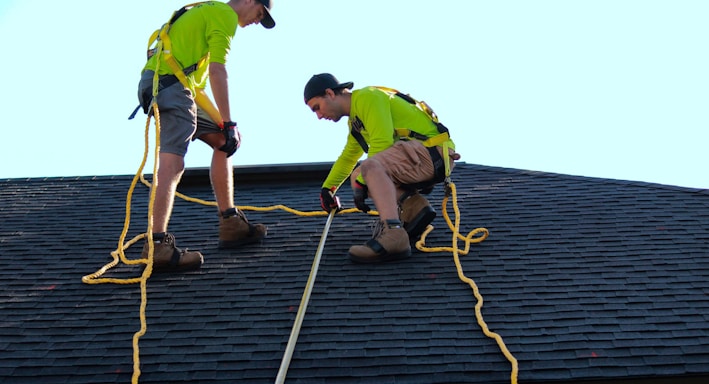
(418, 225)
(223, 244)
(383, 258)
(176, 269)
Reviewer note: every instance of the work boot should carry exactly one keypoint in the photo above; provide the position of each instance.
(416, 214)
(235, 229)
(168, 258)
(388, 243)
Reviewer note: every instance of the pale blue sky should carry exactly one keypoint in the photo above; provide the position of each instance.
(604, 88)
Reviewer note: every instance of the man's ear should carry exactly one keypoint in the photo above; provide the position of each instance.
(329, 92)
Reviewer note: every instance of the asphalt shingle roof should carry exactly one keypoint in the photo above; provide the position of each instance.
(584, 279)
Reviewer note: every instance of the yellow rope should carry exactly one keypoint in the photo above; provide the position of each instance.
(468, 239)
(119, 253)
(475, 236)
(260, 209)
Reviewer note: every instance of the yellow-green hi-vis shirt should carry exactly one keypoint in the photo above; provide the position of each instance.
(205, 29)
(375, 113)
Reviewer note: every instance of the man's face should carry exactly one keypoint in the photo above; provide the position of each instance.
(325, 107)
(253, 14)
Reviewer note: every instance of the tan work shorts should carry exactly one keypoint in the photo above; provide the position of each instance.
(410, 162)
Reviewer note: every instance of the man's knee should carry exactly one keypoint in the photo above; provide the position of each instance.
(171, 165)
(214, 140)
(354, 175)
(370, 165)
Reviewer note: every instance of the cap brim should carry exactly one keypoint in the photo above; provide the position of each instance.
(347, 85)
(267, 20)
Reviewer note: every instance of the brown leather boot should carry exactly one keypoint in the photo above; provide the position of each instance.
(416, 214)
(389, 242)
(168, 258)
(235, 229)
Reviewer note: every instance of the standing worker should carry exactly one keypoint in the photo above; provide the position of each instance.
(195, 46)
(409, 151)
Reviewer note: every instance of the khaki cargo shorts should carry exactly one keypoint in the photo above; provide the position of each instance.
(410, 162)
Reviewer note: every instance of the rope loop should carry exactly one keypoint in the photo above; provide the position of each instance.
(477, 235)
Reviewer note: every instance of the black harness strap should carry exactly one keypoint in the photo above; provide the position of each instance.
(441, 128)
(439, 165)
(164, 81)
(356, 132)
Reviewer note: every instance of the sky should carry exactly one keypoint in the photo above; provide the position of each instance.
(603, 88)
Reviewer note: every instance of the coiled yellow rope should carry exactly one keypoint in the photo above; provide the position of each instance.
(470, 238)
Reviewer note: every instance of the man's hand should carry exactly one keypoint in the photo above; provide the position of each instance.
(359, 191)
(232, 136)
(328, 201)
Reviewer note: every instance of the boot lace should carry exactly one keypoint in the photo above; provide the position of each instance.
(169, 239)
(377, 228)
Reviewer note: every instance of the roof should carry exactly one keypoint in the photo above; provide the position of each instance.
(583, 278)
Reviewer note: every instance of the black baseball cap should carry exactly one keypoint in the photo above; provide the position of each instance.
(267, 20)
(317, 85)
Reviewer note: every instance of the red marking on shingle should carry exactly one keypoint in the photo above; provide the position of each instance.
(48, 288)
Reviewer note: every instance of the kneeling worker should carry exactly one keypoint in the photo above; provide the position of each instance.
(408, 150)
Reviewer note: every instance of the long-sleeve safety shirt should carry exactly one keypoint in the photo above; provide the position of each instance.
(204, 31)
(375, 113)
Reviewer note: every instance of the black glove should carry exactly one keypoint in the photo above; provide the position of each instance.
(359, 191)
(232, 142)
(328, 200)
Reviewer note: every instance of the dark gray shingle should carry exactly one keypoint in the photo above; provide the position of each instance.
(584, 279)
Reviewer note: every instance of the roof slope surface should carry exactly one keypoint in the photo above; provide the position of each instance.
(583, 278)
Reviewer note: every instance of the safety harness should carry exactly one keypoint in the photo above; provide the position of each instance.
(160, 44)
(441, 139)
